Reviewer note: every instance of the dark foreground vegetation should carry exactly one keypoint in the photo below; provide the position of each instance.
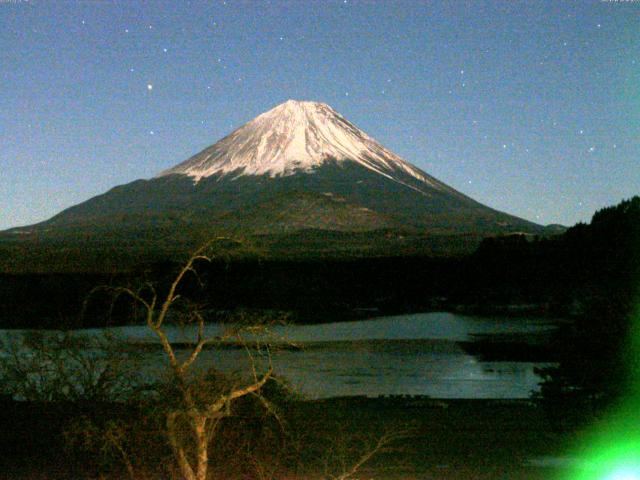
(427, 439)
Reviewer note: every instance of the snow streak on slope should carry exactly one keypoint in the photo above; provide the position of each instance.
(297, 137)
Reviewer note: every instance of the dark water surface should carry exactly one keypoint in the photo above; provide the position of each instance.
(418, 354)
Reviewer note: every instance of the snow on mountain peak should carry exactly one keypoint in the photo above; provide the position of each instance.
(295, 136)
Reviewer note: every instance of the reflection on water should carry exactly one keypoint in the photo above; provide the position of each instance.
(401, 355)
(441, 370)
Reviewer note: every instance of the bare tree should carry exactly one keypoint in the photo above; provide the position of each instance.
(192, 421)
(82, 374)
(67, 367)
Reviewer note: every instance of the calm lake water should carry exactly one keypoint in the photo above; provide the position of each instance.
(417, 354)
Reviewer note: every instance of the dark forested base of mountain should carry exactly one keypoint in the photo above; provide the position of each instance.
(567, 274)
(107, 252)
(310, 291)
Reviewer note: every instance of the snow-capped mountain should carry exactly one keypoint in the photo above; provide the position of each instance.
(300, 166)
(295, 137)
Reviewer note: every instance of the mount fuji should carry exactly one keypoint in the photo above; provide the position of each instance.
(300, 166)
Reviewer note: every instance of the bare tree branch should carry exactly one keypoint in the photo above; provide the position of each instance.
(218, 405)
(381, 444)
(171, 296)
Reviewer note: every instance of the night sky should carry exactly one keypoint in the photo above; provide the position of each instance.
(532, 108)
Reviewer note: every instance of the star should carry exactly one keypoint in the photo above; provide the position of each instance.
(581, 132)
(149, 86)
(164, 50)
(592, 149)
(151, 132)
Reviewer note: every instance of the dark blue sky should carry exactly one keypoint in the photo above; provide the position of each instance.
(529, 107)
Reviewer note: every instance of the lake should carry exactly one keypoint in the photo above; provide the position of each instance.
(418, 354)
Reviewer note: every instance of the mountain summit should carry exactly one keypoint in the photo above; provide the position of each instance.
(295, 137)
(299, 167)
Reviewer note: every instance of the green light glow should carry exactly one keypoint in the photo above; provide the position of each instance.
(611, 449)
(624, 474)
(611, 462)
